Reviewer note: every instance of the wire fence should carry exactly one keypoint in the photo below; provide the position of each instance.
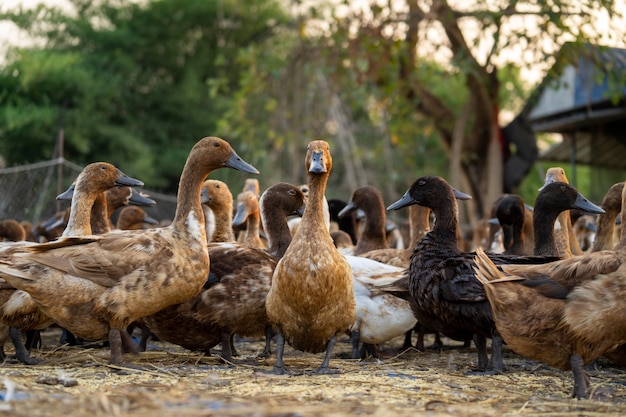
(28, 192)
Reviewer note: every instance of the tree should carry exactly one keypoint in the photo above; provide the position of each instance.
(388, 44)
(136, 84)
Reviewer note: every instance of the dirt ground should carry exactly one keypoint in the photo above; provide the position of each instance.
(76, 381)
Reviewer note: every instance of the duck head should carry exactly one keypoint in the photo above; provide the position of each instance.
(318, 159)
(426, 191)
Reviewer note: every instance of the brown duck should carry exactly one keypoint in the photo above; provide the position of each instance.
(96, 286)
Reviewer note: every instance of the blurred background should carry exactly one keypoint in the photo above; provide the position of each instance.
(486, 93)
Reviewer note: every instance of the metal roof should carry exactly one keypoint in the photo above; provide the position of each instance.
(584, 98)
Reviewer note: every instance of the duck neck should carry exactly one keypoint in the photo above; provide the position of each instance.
(446, 222)
(100, 222)
(189, 216)
(419, 223)
(223, 231)
(543, 225)
(605, 225)
(253, 228)
(277, 231)
(373, 235)
(513, 238)
(79, 223)
(313, 216)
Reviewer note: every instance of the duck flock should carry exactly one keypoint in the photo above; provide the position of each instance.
(288, 265)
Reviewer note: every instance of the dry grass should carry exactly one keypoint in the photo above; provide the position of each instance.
(77, 382)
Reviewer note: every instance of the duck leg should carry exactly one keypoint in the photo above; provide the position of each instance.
(269, 333)
(33, 339)
(495, 363)
(355, 338)
(324, 369)
(226, 341)
(581, 380)
(481, 347)
(115, 344)
(21, 353)
(279, 367)
(407, 340)
(128, 344)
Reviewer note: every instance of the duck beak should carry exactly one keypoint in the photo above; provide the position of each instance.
(125, 180)
(57, 223)
(586, 205)
(235, 162)
(204, 196)
(461, 196)
(494, 221)
(140, 199)
(300, 211)
(241, 215)
(149, 220)
(346, 210)
(317, 163)
(67, 194)
(405, 201)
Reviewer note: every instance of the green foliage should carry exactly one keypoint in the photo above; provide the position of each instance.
(134, 84)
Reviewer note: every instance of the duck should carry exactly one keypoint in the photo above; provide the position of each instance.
(347, 224)
(512, 215)
(370, 200)
(342, 241)
(443, 289)
(568, 274)
(248, 213)
(311, 302)
(295, 221)
(28, 228)
(380, 314)
(12, 230)
(216, 196)
(103, 207)
(605, 223)
(232, 300)
(19, 311)
(566, 237)
(95, 286)
(565, 323)
(134, 218)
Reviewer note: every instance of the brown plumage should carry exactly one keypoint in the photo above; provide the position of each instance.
(217, 197)
(565, 313)
(605, 223)
(28, 228)
(311, 299)
(536, 320)
(248, 213)
(11, 230)
(19, 311)
(134, 218)
(96, 286)
(233, 298)
(370, 200)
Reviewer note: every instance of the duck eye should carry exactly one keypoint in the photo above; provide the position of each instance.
(292, 191)
(217, 186)
(421, 182)
(216, 144)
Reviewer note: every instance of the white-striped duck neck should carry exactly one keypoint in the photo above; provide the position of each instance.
(188, 199)
(79, 223)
